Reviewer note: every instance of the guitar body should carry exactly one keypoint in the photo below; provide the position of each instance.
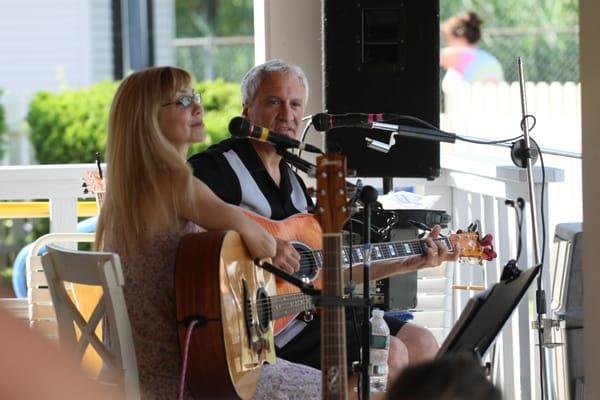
(215, 279)
(305, 233)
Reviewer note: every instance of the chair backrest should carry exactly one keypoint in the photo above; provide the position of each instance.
(102, 270)
(42, 317)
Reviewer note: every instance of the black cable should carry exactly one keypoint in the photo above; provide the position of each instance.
(397, 117)
(303, 137)
(520, 213)
(542, 300)
(499, 141)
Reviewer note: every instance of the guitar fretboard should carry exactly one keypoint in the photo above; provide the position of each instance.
(385, 251)
(334, 379)
(285, 304)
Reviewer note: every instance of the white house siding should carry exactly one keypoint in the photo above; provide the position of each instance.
(101, 44)
(164, 32)
(46, 44)
(50, 44)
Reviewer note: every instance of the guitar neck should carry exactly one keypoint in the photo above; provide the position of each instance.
(286, 304)
(391, 250)
(334, 381)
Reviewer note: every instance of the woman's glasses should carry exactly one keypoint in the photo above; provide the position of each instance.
(186, 101)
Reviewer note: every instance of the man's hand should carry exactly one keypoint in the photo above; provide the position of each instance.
(436, 251)
(286, 257)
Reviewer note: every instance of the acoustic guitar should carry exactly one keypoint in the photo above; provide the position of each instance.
(240, 306)
(305, 233)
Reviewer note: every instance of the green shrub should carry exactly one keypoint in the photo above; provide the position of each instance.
(70, 126)
(2, 129)
(221, 101)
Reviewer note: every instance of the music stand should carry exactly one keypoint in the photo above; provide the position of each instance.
(485, 314)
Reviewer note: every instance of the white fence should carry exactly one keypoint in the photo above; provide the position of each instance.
(493, 111)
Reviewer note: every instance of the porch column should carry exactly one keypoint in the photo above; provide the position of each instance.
(589, 11)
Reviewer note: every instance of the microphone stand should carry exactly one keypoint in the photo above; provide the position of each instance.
(298, 162)
(368, 196)
(524, 156)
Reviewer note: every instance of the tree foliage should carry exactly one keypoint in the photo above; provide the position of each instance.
(549, 53)
(201, 18)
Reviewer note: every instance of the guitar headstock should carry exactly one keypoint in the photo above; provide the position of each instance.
(473, 246)
(93, 183)
(332, 209)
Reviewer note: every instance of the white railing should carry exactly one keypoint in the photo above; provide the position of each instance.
(494, 112)
(60, 184)
(472, 187)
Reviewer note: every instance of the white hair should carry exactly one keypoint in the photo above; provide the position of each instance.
(253, 78)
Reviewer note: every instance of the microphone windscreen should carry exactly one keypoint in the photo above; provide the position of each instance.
(239, 126)
(320, 122)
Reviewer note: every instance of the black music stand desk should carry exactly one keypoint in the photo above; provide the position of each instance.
(485, 314)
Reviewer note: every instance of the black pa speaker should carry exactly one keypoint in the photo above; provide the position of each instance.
(382, 56)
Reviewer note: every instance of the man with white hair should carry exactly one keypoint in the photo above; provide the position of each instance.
(254, 176)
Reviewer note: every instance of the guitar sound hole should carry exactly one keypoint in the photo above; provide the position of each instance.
(263, 309)
(310, 261)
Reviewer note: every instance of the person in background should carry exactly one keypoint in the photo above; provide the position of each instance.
(452, 377)
(151, 201)
(253, 175)
(461, 58)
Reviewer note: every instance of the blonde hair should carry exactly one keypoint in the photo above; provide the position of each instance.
(141, 161)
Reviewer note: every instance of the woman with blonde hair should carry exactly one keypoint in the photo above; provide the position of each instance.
(152, 199)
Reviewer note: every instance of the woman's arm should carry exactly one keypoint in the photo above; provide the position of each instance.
(210, 212)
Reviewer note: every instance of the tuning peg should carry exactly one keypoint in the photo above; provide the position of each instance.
(490, 254)
(487, 240)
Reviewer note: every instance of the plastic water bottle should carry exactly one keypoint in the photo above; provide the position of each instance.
(380, 345)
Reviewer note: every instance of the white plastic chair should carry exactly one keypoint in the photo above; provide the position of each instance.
(103, 270)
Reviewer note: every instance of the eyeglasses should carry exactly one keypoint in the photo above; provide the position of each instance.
(186, 101)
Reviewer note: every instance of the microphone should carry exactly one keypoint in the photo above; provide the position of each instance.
(303, 165)
(323, 121)
(240, 127)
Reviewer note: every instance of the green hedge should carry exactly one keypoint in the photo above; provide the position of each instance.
(2, 129)
(70, 126)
